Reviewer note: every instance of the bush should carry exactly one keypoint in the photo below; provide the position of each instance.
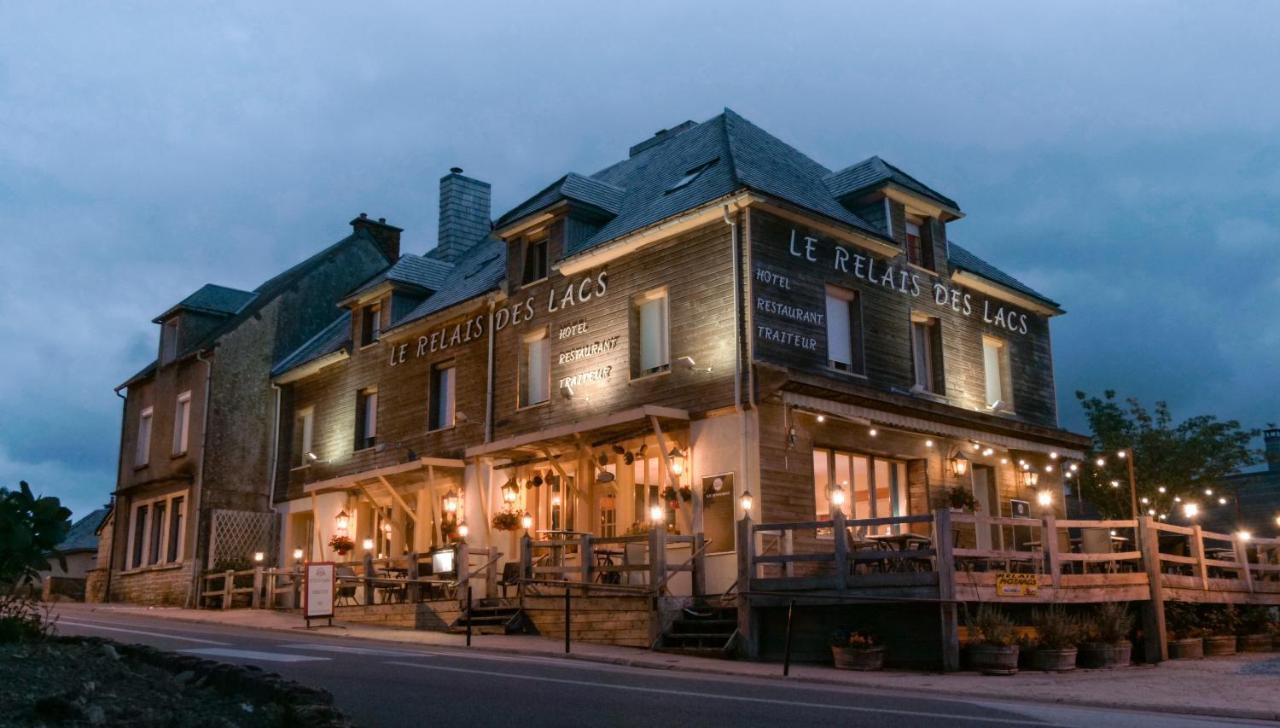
(993, 626)
(1110, 622)
(1056, 628)
(1220, 621)
(1255, 619)
(23, 620)
(30, 530)
(856, 640)
(1181, 621)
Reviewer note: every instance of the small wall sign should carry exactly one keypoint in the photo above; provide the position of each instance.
(1017, 585)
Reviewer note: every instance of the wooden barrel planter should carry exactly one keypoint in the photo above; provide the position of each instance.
(1054, 660)
(1219, 645)
(858, 658)
(1254, 643)
(1103, 655)
(1187, 649)
(994, 659)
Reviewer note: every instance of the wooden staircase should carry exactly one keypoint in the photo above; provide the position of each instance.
(702, 630)
(492, 616)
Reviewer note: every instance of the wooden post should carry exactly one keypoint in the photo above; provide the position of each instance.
(746, 555)
(255, 599)
(491, 574)
(699, 565)
(1155, 646)
(948, 612)
(228, 589)
(414, 591)
(461, 570)
(368, 574)
(584, 556)
(1049, 536)
(1197, 550)
(526, 557)
(841, 543)
(657, 556)
(1242, 556)
(788, 548)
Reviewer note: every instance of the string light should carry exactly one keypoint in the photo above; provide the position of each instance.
(1161, 489)
(1115, 484)
(1122, 454)
(821, 419)
(928, 443)
(1190, 510)
(1222, 501)
(1004, 461)
(1145, 500)
(1208, 491)
(988, 452)
(1244, 535)
(1100, 462)
(1053, 455)
(873, 432)
(1048, 468)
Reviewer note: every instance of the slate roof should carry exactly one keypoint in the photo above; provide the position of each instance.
(421, 271)
(331, 338)
(83, 535)
(572, 186)
(962, 258)
(871, 172)
(477, 272)
(210, 298)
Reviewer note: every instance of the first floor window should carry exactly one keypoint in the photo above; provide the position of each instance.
(535, 382)
(860, 486)
(844, 330)
(155, 534)
(651, 324)
(139, 535)
(182, 423)
(366, 418)
(926, 354)
(994, 356)
(142, 452)
(443, 401)
(175, 530)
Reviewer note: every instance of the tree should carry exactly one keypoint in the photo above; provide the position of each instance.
(30, 530)
(1184, 459)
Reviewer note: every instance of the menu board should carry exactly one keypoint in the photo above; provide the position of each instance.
(318, 590)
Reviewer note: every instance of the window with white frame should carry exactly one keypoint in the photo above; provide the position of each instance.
(304, 423)
(535, 260)
(926, 354)
(995, 367)
(844, 330)
(182, 423)
(919, 250)
(442, 396)
(535, 375)
(156, 535)
(370, 324)
(366, 418)
(169, 341)
(142, 451)
(652, 329)
(860, 486)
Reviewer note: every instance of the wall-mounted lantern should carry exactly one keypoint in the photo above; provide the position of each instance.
(510, 491)
(451, 501)
(342, 521)
(677, 461)
(959, 465)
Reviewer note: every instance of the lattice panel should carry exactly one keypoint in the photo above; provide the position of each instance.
(236, 535)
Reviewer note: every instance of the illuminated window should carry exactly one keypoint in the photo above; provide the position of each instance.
(182, 423)
(535, 382)
(870, 487)
(142, 452)
(175, 530)
(995, 367)
(926, 354)
(442, 396)
(651, 325)
(138, 547)
(844, 330)
(303, 434)
(366, 419)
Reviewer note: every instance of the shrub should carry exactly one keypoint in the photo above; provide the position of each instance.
(1220, 621)
(23, 620)
(1110, 622)
(1255, 619)
(1056, 628)
(993, 626)
(1181, 621)
(856, 640)
(30, 530)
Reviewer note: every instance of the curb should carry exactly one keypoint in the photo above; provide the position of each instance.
(1235, 713)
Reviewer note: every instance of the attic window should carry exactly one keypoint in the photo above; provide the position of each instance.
(692, 175)
(169, 341)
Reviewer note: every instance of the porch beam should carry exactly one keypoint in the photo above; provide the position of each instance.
(662, 450)
(399, 500)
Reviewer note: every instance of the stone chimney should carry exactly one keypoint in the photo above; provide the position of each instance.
(1271, 442)
(387, 236)
(464, 214)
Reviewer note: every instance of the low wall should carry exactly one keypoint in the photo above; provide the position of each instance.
(62, 588)
(912, 633)
(167, 585)
(629, 621)
(95, 585)
(435, 616)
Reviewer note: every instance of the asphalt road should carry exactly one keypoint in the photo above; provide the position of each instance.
(393, 684)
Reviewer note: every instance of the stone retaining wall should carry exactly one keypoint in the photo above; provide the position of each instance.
(625, 620)
(434, 616)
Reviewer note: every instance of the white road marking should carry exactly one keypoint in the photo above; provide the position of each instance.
(254, 655)
(87, 625)
(718, 696)
(351, 650)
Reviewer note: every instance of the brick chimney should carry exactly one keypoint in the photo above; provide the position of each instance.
(387, 236)
(464, 214)
(1271, 442)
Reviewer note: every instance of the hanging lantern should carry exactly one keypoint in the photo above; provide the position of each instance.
(451, 501)
(510, 491)
(677, 461)
(1029, 478)
(342, 521)
(837, 496)
(959, 465)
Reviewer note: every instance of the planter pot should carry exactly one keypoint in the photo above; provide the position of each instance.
(1188, 649)
(1219, 645)
(858, 658)
(994, 659)
(1054, 660)
(1254, 643)
(1103, 655)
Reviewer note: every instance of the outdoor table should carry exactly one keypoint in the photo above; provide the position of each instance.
(900, 545)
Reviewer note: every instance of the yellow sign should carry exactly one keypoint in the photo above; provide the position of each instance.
(1017, 585)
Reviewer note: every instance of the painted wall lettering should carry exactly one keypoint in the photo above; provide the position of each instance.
(573, 293)
(439, 340)
(789, 338)
(785, 310)
(589, 350)
(572, 330)
(601, 374)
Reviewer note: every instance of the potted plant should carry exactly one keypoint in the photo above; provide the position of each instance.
(1254, 629)
(959, 498)
(856, 651)
(1186, 638)
(343, 545)
(1107, 637)
(1057, 634)
(1026, 650)
(506, 521)
(994, 651)
(1220, 631)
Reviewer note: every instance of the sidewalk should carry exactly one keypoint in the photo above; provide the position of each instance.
(1244, 686)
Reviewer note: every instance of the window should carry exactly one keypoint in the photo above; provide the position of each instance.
(139, 535)
(182, 423)
(994, 367)
(175, 530)
(366, 419)
(926, 354)
(535, 260)
(844, 330)
(304, 423)
(871, 487)
(370, 324)
(157, 532)
(142, 454)
(535, 382)
(442, 396)
(155, 535)
(691, 175)
(654, 353)
(919, 250)
(169, 341)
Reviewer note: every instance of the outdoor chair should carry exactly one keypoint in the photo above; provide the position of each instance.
(346, 586)
(864, 553)
(510, 576)
(1096, 541)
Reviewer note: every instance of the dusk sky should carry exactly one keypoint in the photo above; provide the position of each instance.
(1121, 158)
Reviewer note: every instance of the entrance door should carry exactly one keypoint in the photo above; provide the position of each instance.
(984, 491)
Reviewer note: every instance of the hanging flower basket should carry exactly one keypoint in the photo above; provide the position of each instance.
(506, 521)
(686, 493)
(342, 545)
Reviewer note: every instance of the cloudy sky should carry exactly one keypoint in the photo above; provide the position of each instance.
(1123, 158)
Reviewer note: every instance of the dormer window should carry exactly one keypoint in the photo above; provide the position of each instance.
(370, 324)
(169, 341)
(919, 251)
(535, 261)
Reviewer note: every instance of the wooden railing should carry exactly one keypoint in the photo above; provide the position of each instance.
(573, 561)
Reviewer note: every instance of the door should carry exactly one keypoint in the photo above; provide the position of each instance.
(984, 491)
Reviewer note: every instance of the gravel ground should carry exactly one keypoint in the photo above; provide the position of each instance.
(67, 684)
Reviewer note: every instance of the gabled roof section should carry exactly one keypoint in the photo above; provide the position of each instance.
(961, 258)
(334, 337)
(415, 271)
(83, 535)
(212, 299)
(479, 271)
(875, 171)
(572, 186)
